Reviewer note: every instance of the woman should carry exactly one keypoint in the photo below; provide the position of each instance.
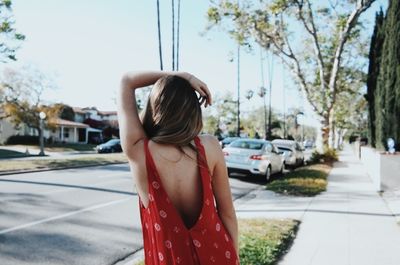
(185, 201)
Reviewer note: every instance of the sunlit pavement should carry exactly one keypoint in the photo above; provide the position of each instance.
(350, 224)
(74, 216)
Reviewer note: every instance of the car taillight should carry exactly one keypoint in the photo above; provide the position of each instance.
(256, 157)
(226, 154)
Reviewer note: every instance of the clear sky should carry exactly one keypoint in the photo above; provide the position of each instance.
(88, 44)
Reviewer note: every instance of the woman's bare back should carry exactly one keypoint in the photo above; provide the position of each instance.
(180, 178)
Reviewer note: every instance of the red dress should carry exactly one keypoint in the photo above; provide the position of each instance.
(167, 240)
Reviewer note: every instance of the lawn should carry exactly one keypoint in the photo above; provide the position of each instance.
(82, 160)
(305, 181)
(263, 241)
(4, 153)
(59, 147)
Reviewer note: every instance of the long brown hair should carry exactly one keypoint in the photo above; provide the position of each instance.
(173, 112)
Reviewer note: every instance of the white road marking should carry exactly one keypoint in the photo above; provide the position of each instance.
(89, 186)
(93, 207)
(52, 191)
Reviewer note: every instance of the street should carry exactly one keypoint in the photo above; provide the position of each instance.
(74, 216)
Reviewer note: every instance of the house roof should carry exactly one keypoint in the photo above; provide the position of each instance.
(62, 122)
(87, 109)
(106, 113)
(78, 110)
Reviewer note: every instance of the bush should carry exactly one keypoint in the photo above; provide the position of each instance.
(23, 139)
(328, 156)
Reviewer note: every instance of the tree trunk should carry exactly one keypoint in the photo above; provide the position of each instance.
(331, 132)
(325, 131)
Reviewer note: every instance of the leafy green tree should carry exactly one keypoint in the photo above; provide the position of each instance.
(210, 124)
(9, 37)
(224, 112)
(66, 112)
(23, 91)
(314, 40)
(254, 123)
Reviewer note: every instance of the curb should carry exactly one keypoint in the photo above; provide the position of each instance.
(15, 172)
(389, 204)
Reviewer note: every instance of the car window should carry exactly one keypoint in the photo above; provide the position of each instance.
(284, 149)
(247, 145)
(229, 140)
(276, 150)
(269, 147)
(285, 145)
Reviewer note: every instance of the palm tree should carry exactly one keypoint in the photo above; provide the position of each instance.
(177, 37)
(159, 34)
(173, 35)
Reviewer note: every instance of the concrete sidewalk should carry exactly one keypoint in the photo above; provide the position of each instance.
(349, 224)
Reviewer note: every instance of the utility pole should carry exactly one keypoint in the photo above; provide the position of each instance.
(270, 73)
(238, 91)
(159, 35)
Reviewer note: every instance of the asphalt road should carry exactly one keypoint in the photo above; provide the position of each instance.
(75, 216)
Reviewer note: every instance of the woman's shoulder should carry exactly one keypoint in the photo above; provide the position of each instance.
(211, 146)
(209, 141)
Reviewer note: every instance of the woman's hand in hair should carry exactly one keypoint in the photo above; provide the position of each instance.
(200, 87)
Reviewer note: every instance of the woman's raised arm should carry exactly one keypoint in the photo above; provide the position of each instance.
(130, 126)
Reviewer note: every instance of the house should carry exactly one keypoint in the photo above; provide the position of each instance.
(7, 129)
(106, 121)
(89, 126)
(73, 132)
(93, 113)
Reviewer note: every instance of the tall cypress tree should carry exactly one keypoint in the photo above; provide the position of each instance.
(373, 72)
(387, 93)
(395, 118)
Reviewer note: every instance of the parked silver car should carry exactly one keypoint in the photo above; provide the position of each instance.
(227, 141)
(253, 156)
(292, 152)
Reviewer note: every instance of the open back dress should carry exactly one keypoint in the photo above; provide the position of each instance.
(166, 238)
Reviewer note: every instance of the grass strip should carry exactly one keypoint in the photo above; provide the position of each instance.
(4, 153)
(305, 181)
(87, 160)
(263, 241)
(59, 147)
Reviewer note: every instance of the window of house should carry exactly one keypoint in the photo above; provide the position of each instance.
(66, 132)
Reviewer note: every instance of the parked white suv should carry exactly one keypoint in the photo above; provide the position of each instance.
(291, 150)
(253, 156)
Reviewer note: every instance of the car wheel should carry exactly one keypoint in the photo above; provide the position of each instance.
(282, 168)
(268, 173)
